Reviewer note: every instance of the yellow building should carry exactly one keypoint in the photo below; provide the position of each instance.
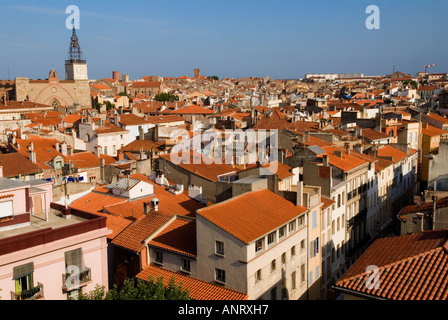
(431, 137)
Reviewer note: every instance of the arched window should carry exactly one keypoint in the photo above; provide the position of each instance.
(55, 103)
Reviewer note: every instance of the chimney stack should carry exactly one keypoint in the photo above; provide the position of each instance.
(155, 204)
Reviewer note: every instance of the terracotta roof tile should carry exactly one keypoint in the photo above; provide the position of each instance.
(179, 236)
(345, 161)
(194, 162)
(84, 160)
(391, 153)
(15, 163)
(198, 289)
(411, 267)
(132, 238)
(263, 210)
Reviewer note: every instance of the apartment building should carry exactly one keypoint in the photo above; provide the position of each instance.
(46, 254)
(263, 252)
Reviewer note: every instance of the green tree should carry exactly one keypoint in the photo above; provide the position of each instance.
(137, 289)
(163, 97)
(213, 78)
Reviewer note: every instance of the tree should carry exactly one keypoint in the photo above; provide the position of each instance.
(213, 78)
(163, 97)
(137, 289)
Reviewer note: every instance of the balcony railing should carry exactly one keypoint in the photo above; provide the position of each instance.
(357, 218)
(74, 281)
(30, 294)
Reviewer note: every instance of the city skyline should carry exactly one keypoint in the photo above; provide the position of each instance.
(282, 39)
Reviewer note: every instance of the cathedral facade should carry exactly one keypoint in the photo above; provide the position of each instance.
(73, 92)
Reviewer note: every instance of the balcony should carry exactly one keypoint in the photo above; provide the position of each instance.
(74, 281)
(35, 293)
(357, 218)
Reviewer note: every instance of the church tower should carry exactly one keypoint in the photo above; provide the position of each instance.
(75, 66)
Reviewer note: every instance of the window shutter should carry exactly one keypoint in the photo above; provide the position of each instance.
(23, 271)
(75, 258)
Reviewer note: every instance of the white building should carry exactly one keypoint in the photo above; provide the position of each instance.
(254, 243)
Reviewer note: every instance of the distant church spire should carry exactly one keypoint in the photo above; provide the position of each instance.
(75, 53)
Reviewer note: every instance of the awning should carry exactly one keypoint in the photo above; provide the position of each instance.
(23, 270)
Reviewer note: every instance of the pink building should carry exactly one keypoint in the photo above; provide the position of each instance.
(46, 253)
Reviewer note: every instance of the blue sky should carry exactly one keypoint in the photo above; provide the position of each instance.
(282, 39)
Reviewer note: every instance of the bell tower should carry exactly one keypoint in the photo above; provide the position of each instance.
(75, 66)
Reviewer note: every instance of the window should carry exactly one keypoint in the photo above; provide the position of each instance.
(219, 248)
(258, 275)
(301, 220)
(302, 273)
(293, 251)
(220, 275)
(259, 245)
(343, 221)
(284, 257)
(159, 257)
(310, 279)
(332, 227)
(314, 219)
(105, 150)
(293, 280)
(58, 164)
(23, 277)
(317, 272)
(185, 265)
(302, 245)
(314, 247)
(338, 223)
(6, 209)
(271, 238)
(292, 226)
(339, 200)
(282, 232)
(273, 265)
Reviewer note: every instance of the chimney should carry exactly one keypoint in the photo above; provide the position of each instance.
(146, 207)
(155, 204)
(338, 153)
(420, 218)
(325, 160)
(299, 193)
(347, 148)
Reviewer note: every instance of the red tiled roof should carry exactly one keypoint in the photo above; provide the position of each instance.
(132, 238)
(147, 145)
(197, 289)
(263, 211)
(15, 163)
(132, 120)
(411, 267)
(178, 236)
(372, 134)
(433, 131)
(189, 161)
(193, 109)
(164, 118)
(391, 153)
(345, 162)
(84, 160)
